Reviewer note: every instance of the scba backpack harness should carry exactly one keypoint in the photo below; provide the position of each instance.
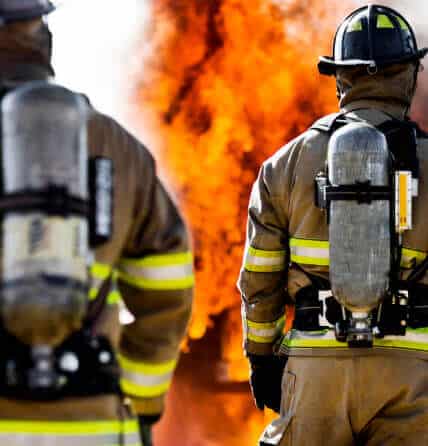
(367, 190)
(55, 206)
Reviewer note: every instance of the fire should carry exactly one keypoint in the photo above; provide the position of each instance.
(224, 84)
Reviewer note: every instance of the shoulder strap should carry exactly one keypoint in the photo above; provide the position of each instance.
(330, 123)
(402, 142)
(327, 123)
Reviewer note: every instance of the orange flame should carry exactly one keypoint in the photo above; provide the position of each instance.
(225, 83)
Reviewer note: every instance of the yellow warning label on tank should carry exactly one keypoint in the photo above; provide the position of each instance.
(403, 201)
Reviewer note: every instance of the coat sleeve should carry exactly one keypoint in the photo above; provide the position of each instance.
(155, 279)
(263, 277)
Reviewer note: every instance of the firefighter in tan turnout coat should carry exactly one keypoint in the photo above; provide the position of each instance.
(147, 264)
(331, 392)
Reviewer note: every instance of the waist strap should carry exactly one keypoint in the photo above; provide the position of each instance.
(82, 366)
(316, 312)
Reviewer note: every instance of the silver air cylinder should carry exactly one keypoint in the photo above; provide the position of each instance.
(44, 258)
(359, 233)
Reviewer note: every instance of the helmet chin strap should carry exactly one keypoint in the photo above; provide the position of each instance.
(339, 89)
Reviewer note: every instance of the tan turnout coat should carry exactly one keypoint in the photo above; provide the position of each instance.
(288, 235)
(149, 267)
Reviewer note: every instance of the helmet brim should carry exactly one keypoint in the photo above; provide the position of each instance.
(328, 66)
(30, 14)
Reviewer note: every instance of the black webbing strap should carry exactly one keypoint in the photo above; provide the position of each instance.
(97, 374)
(401, 137)
(54, 200)
(330, 123)
(97, 306)
(361, 192)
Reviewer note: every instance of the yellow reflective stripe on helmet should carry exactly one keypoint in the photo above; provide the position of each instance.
(402, 23)
(264, 332)
(259, 260)
(159, 272)
(384, 21)
(355, 25)
(145, 379)
(309, 252)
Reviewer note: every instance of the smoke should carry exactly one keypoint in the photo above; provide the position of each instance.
(92, 48)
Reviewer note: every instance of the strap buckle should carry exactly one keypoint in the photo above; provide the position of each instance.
(323, 295)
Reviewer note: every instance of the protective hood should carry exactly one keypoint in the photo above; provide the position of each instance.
(25, 51)
(391, 89)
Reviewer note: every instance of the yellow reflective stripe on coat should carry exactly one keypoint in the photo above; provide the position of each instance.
(309, 252)
(99, 272)
(159, 272)
(261, 261)
(69, 433)
(145, 380)
(316, 252)
(410, 257)
(413, 340)
(264, 332)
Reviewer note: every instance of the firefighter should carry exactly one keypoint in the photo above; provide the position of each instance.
(343, 384)
(146, 264)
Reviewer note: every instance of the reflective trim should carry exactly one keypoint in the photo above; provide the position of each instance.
(264, 332)
(316, 252)
(402, 23)
(114, 297)
(259, 260)
(99, 272)
(414, 340)
(69, 433)
(411, 258)
(309, 252)
(384, 22)
(159, 272)
(145, 380)
(355, 25)
(93, 293)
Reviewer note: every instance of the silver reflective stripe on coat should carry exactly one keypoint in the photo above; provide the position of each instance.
(264, 332)
(159, 272)
(312, 252)
(168, 272)
(147, 380)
